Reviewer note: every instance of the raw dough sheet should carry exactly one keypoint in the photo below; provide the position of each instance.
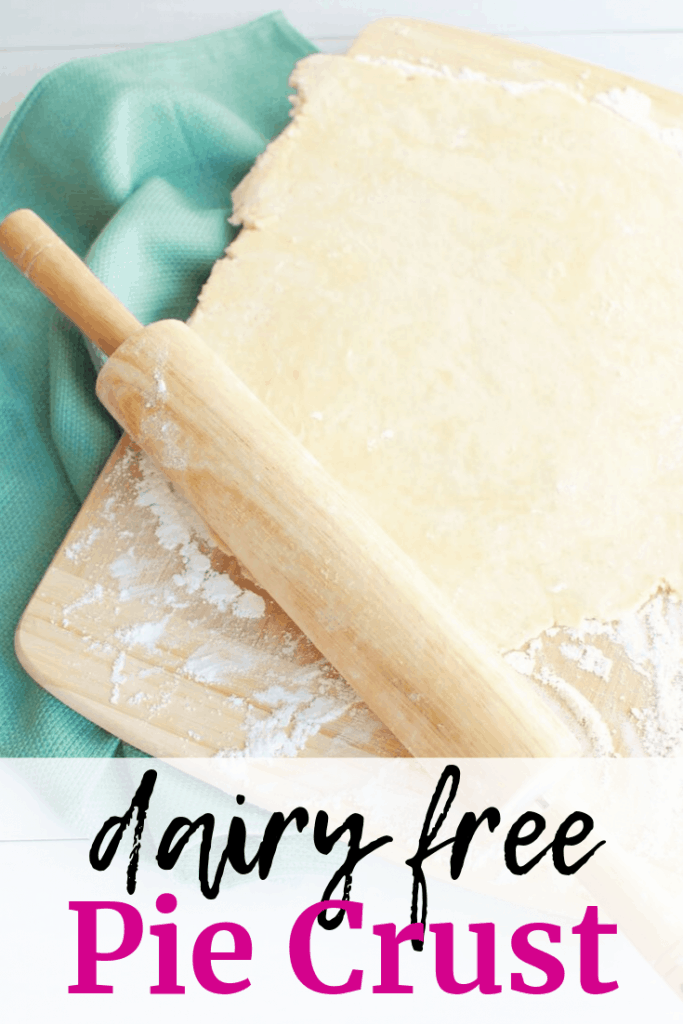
(461, 293)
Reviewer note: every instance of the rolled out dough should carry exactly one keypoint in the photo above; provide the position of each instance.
(466, 299)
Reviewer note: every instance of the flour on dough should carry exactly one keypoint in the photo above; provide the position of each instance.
(465, 300)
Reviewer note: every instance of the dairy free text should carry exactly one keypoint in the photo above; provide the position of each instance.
(526, 830)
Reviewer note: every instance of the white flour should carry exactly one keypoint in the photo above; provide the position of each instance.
(249, 605)
(652, 639)
(117, 677)
(92, 597)
(427, 68)
(294, 712)
(180, 528)
(216, 662)
(636, 107)
(287, 703)
(144, 635)
(79, 548)
(628, 103)
(649, 641)
(588, 658)
(280, 718)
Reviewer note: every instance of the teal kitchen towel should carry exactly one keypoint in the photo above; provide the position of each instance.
(131, 158)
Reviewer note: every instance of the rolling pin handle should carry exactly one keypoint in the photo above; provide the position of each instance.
(49, 264)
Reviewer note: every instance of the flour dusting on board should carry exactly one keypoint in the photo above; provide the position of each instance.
(180, 528)
(118, 677)
(91, 597)
(652, 639)
(283, 717)
(589, 658)
(145, 634)
(249, 605)
(287, 703)
(217, 663)
(79, 548)
(649, 641)
(264, 695)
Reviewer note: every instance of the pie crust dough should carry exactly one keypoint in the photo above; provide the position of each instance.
(465, 297)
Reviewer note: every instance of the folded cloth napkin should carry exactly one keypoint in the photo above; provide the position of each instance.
(131, 158)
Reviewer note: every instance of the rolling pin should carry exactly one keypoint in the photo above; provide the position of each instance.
(360, 599)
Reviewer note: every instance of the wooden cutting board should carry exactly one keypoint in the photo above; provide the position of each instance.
(141, 625)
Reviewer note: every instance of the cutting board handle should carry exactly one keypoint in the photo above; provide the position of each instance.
(49, 264)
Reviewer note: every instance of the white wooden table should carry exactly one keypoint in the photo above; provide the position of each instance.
(644, 39)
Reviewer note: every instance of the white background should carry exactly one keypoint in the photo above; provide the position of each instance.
(641, 38)
(51, 810)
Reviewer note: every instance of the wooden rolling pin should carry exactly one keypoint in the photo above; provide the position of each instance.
(365, 605)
